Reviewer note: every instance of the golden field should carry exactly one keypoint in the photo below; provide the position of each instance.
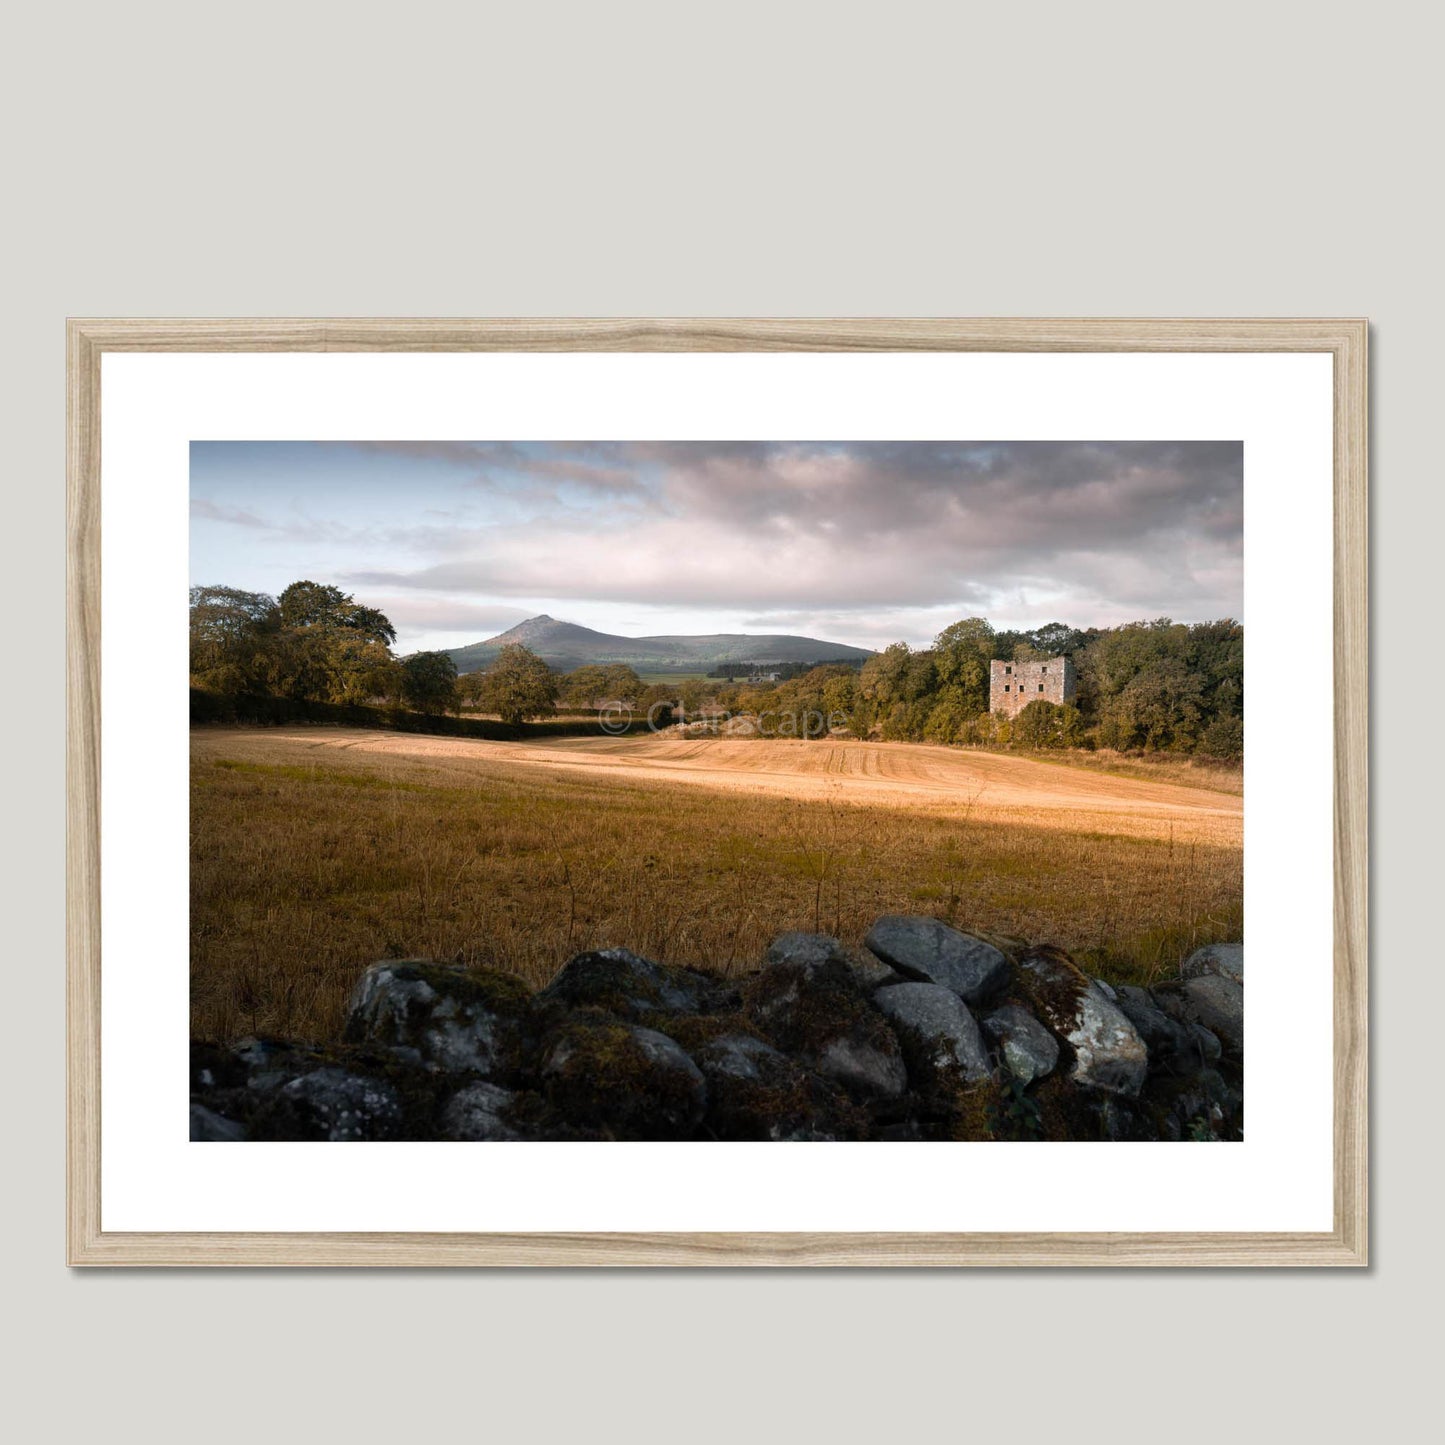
(315, 851)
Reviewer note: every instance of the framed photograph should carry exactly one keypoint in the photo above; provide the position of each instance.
(717, 792)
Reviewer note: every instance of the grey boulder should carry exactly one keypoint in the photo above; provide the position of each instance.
(862, 1068)
(1029, 1051)
(1207, 1042)
(814, 949)
(929, 951)
(755, 1092)
(809, 949)
(1170, 1042)
(940, 1037)
(1109, 1054)
(623, 1081)
(209, 1127)
(330, 1103)
(478, 1112)
(1217, 1003)
(455, 1019)
(1223, 960)
(626, 984)
(820, 1014)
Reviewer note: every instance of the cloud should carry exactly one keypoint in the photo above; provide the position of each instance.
(576, 473)
(1140, 527)
(867, 533)
(208, 511)
(444, 614)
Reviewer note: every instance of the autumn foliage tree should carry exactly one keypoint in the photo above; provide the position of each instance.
(429, 682)
(314, 643)
(518, 686)
(601, 682)
(231, 632)
(1153, 686)
(317, 604)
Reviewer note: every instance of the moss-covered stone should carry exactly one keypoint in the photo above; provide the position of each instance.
(329, 1103)
(626, 1081)
(755, 1092)
(1054, 985)
(1204, 1105)
(974, 1110)
(696, 1031)
(940, 1037)
(1107, 1050)
(1067, 1112)
(209, 1127)
(630, 986)
(478, 1112)
(803, 1051)
(454, 1019)
(820, 1015)
(213, 1067)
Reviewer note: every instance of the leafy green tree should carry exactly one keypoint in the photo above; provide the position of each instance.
(315, 643)
(882, 684)
(297, 664)
(947, 721)
(1224, 739)
(359, 669)
(961, 655)
(316, 604)
(815, 698)
(469, 687)
(693, 696)
(1057, 639)
(840, 687)
(656, 704)
(1162, 684)
(519, 686)
(1043, 724)
(429, 682)
(230, 633)
(601, 682)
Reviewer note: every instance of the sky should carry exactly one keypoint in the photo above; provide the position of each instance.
(860, 542)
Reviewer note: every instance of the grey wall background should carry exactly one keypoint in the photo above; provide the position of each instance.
(789, 159)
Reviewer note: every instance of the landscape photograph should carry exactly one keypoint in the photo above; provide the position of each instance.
(737, 791)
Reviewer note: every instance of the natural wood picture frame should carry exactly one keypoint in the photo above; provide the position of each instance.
(1345, 1244)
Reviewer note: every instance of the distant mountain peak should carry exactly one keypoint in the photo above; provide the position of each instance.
(567, 645)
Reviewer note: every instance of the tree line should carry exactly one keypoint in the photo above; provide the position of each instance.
(316, 643)
(1152, 686)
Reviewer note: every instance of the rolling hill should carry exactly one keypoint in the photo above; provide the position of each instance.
(566, 645)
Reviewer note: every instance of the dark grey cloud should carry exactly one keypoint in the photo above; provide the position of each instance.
(1084, 529)
(596, 470)
(860, 541)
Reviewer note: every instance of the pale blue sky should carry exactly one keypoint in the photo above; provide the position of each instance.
(861, 542)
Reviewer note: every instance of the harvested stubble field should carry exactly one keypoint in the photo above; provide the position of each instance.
(315, 851)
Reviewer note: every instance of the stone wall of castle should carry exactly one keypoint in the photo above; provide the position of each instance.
(1013, 685)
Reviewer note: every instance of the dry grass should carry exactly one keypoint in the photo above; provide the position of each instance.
(1191, 772)
(309, 862)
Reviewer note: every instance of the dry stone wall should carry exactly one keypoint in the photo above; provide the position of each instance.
(929, 1033)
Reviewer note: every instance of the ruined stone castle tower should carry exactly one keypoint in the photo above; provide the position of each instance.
(1013, 685)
